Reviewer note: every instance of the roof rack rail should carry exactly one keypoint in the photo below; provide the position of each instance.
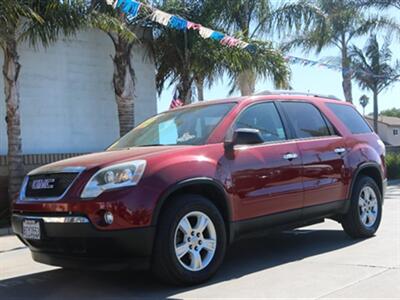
(290, 92)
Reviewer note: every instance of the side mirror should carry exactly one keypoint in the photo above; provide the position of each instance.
(243, 136)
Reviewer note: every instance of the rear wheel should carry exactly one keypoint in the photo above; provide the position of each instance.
(365, 213)
(191, 241)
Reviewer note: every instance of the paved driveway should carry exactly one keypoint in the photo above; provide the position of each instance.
(314, 262)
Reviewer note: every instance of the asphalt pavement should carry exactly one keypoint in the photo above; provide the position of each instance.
(314, 262)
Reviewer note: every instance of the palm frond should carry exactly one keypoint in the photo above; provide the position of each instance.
(56, 18)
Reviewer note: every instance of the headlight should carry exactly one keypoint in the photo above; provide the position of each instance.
(114, 177)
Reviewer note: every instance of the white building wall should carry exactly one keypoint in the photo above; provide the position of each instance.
(67, 98)
(386, 133)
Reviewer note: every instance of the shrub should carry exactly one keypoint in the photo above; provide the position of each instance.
(393, 165)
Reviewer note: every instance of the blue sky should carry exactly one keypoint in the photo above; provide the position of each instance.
(313, 79)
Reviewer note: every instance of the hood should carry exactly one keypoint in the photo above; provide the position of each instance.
(103, 159)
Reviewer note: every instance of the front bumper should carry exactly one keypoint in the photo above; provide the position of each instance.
(72, 242)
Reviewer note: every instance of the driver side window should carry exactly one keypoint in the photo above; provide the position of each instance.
(265, 118)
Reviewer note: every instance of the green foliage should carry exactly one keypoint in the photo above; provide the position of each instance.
(40, 22)
(318, 24)
(393, 165)
(104, 17)
(186, 57)
(380, 3)
(372, 67)
(394, 112)
(239, 16)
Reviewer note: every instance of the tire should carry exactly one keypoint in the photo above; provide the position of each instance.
(354, 223)
(171, 231)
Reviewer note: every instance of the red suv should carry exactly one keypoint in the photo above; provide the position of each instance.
(178, 189)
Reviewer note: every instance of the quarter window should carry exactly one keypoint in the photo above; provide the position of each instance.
(266, 119)
(350, 117)
(306, 120)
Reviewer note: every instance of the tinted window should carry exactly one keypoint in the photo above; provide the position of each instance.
(265, 118)
(187, 126)
(350, 117)
(306, 119)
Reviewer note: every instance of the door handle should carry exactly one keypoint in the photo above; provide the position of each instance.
(340, 151)
(290, 156)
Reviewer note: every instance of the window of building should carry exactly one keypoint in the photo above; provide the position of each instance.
(395, 132)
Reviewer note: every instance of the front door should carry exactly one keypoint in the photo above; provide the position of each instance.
(266, 178)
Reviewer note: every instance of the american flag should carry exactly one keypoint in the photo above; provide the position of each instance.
(176, 102)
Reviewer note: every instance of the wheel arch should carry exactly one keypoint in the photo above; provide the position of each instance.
(204, 186)
(370, 169)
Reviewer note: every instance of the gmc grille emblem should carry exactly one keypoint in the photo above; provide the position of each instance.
(43, 184)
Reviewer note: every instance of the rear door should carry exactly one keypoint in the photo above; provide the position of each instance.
(323, 152)
(266, 178)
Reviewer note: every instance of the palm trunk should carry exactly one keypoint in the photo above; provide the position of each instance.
(124, 85)
(185, 90)
(200, 88)
(376, 111)
(346, 76)
(247, 82)
(11, 70)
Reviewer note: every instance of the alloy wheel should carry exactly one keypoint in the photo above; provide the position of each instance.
(195, 241)
(368, 206)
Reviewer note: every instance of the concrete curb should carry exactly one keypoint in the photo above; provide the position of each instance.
(6, 231)
(393, 182)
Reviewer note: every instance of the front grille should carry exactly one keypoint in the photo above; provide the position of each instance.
(49, 185)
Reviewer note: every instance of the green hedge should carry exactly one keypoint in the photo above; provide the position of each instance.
(393, 165)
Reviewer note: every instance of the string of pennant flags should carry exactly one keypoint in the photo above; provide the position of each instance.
(132, 8)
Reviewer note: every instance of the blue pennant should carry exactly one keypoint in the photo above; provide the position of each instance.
(178, 23)
(218, 36)
(130, 7)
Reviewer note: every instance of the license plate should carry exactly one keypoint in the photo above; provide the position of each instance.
(31, 230)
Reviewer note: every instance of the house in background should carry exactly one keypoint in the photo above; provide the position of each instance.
(67, 99)
(388, 129)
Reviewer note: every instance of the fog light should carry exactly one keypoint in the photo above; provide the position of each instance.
(108, 218)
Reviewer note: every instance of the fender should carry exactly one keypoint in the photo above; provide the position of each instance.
(363, 166)
(186, 183)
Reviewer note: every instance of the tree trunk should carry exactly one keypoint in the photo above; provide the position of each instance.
(11, 70)
(185, 90)
(124, 85)
(346, 75)
(200, 88)
(247, 82)
(376, 111)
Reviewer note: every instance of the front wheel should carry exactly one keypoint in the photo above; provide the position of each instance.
(365, 213)
(190, 242)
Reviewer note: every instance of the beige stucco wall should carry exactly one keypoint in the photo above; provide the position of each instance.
(386, 133)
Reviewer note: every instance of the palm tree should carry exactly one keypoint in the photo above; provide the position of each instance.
(185, 59)
(373, 69)
(123, 36)
(238, 16)
(380, 3)
(38, 22)
(328, 23)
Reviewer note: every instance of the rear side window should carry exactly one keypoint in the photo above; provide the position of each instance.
(265, 118)
(306, 120)
(350, 117)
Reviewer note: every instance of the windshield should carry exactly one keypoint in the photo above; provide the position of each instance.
(190, 126)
